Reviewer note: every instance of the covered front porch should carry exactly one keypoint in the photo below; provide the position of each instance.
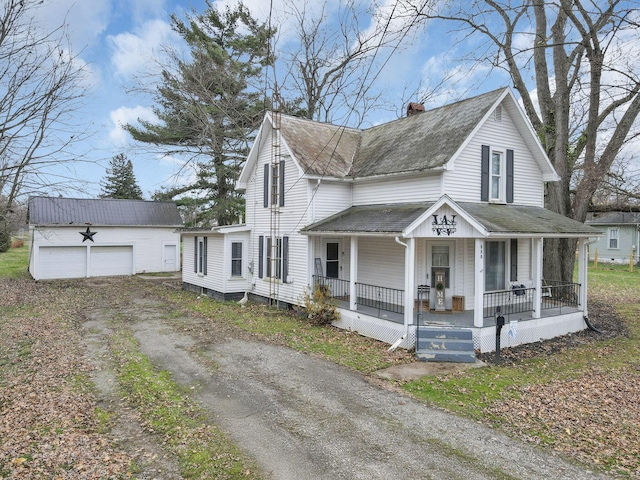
(409, 267)
(380, 313)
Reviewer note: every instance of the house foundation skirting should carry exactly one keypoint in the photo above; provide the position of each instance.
(373, 327)
(529, 331)
(484, 338)
(232, 296)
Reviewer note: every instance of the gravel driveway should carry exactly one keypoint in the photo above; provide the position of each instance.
(302, 417)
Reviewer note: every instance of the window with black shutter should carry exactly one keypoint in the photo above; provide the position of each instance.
(509, 176)
(484, 174)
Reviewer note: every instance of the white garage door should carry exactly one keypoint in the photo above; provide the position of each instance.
(116, 260)
(62, 262)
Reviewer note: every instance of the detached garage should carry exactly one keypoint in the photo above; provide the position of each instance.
(76, 237)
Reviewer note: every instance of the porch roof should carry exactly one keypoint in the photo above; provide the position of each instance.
(496, 219)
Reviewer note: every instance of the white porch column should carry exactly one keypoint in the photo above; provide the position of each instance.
(582, 273)
(353, 273)
(478, 311)
(536, 252)
(409, 280)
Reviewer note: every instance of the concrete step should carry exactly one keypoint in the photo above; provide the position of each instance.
(446, 356)
(445, 345)
(445, 333)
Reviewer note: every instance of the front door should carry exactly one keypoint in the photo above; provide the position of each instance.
(440, 268)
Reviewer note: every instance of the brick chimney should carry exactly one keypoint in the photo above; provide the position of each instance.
(414, 108)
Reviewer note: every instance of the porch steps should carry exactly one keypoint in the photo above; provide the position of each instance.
(445, 345)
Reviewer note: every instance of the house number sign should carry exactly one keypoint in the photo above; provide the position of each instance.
(443, 225)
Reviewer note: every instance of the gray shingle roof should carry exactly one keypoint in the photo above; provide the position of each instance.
(507, 219)
(613, 218)
(84, 211)
(321, 148)
(421, 141)
(392, 218)
(416, 143)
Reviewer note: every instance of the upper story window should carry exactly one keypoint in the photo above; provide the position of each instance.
(613, 238)
(497, 175)
(273, 184)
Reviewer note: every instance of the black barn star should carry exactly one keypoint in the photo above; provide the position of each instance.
(88, 235)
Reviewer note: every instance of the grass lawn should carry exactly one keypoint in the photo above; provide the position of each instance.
(14, 262)
(582, 400)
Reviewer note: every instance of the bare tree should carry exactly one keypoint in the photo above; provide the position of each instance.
(575, 65)
(41, 84)
(336, 62)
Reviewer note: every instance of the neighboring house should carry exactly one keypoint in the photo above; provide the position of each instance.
(620, 238)
(429, 220)
(75, 237)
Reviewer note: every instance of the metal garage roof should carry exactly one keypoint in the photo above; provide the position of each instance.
(104, 211)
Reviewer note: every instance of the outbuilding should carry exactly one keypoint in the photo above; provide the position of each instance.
(78, 237)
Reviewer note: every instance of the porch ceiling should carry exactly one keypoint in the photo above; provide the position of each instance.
(496, 219)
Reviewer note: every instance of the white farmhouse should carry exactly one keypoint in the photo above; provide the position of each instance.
(79, 237)
(423, 228)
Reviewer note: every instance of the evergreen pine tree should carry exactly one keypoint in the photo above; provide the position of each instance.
(119, 181)
(209, 108)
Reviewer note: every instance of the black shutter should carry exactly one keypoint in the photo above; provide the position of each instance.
(484, 174)
(514, 260)
(204, 256)
(260, 256)
(265, 201)
(285, 258)
(281, 172)
(195, 254)
(509, 176)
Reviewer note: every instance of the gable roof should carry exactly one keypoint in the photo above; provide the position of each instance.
(421, 142)
(493, 219)
(613, 218)
(105, 211)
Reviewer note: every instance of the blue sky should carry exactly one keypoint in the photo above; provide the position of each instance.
(119, 41)
(120, 44)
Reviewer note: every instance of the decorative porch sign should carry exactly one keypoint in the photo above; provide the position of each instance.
(440, 286)
(443, 225)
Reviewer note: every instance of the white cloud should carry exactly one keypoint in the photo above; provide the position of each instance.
(85, 21)
(125, 115)
(139, 52)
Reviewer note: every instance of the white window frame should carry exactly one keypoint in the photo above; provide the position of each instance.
(505, 267)
(500, 176)
(240, 259)
(201, 256)
(614, 235)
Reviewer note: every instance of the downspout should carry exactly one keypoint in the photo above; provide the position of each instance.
(397, 343)
(586, 317)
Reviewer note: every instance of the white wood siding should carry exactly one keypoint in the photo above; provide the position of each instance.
(421, 188)
(463, 183)
(381, 262)
(213, 280)
(328, 198)
(294, 215)
(146, 243)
